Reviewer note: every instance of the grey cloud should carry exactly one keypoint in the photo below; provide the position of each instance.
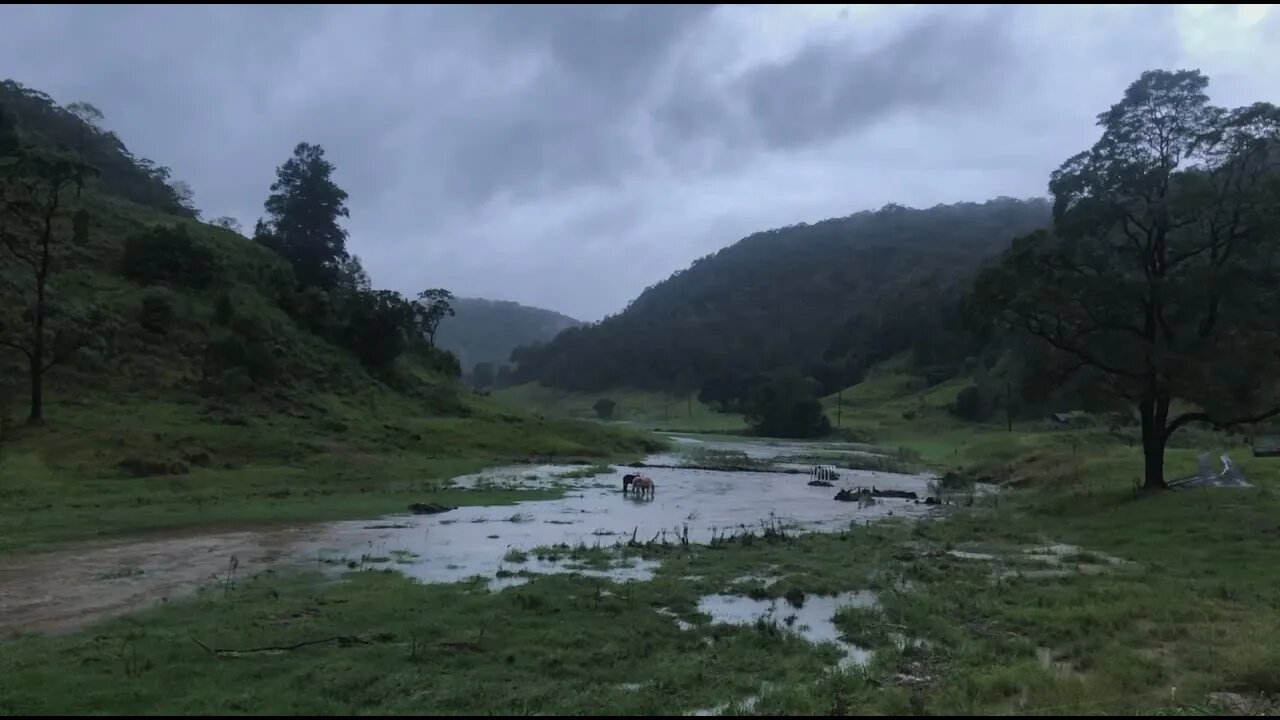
(571, 124)
(569, 156)
(826, 90)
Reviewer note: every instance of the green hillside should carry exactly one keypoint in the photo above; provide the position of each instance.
(207, 386)
(828, 300)
(486, 331)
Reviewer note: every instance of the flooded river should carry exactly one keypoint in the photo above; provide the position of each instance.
(68, 588)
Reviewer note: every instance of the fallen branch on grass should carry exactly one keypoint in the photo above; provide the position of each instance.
(461, 645)
(341, 639)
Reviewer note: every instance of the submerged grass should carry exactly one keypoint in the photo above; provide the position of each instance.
(586, 472)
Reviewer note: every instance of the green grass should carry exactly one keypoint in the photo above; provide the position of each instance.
(653, 411)
(341, 458)
(1186, 613)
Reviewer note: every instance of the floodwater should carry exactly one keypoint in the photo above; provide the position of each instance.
(71, 587)
(812, 619)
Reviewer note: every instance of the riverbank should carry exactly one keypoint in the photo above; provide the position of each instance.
(1075, 597)
(105, 469)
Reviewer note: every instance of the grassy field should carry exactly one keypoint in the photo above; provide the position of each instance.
(104, 466)
(1008, 629)
(1066, 593)
(652, 411)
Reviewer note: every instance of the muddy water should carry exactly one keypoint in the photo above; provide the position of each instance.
(69, 588)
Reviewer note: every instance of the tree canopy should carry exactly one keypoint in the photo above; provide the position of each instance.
(302, 218)
(1158, 280)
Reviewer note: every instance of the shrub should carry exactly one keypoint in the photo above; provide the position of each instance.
(968, 404)
(235, 352)
(604, 408)
(156, 311)
(169, 255)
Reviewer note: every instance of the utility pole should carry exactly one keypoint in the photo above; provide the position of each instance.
(839, 406)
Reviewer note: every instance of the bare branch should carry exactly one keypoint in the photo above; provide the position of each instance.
(1219, 424)
(21, 348)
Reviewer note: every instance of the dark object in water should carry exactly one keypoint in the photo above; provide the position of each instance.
(427, 508)
(820, 483)
(931, 500)
(626, 480)
(904, 494)
(858, 494)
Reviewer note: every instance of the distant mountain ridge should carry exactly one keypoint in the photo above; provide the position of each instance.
(484, 330)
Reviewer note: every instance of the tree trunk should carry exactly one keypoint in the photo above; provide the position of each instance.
(1155, 413)
(37, 338)
(37, 395)
(1153, 462)
(1008, 405)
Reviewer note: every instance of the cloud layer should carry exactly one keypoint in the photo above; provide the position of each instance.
(570, 156)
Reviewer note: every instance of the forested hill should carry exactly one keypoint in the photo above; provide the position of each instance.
(77, 128)
(486, 331)
(826, 299)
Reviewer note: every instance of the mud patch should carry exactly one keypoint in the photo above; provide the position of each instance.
(68, 588)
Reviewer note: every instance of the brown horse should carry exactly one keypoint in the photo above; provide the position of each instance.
(642, 485)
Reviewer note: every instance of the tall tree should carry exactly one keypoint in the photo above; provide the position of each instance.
(302, 218)
(380, 327)
(90, 117)
(36, 210)
(1161, 277)
(433, 306)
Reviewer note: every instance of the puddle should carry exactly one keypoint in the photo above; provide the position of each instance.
(679, 621)
(813, 620)
(90, 581)
(633, 569)
(963, 555)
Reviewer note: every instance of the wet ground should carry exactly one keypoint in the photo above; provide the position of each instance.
(812, 617)
(68, 588)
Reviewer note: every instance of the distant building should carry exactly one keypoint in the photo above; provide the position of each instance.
(1065, 419)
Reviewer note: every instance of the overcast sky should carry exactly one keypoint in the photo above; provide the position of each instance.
(568, 157)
